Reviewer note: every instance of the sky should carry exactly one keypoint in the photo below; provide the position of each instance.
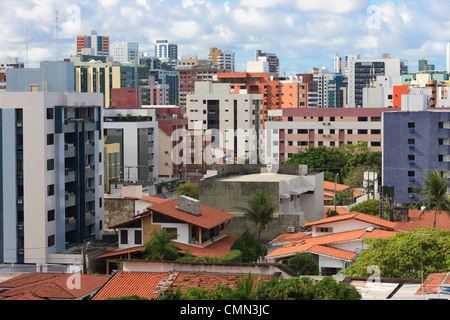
(303, 33)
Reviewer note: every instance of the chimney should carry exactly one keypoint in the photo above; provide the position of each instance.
(400, 214)
(189, 205)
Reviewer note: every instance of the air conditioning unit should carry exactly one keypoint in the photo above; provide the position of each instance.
(290, 229)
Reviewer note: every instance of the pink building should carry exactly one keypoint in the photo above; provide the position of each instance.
(126, 98)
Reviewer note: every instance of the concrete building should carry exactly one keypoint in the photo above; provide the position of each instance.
(93, 44)
(362, 73)
(126, 52)
(341, 65)
(272, 60)
(52, 174)
(136, 130)
(189, 75)
(170, 120)
(381, 93)
(232, 121)
(51, 76)
(164, 49)
(170, 78)
(222, 59)
(299, 129)
(299, 195)
(415, 141)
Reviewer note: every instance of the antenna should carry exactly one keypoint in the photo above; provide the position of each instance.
(57, 53)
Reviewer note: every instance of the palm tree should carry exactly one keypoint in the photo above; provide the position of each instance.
(260, 210)
(160, 245)
(434, 193)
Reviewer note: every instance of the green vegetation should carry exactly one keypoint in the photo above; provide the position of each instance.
(251, 249)
(372, 207)
(404, 255)
(232, 256)
(303, 264)
(344, 197)
(160, 246)
(260, 210)
(128, 298)
(434, 194)
(349, 162)
(278, 288)
(188, 190)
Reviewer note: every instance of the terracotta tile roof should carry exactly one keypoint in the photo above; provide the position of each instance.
(358, 216)
(51, 285)
(433, 281)
(327, 240)
(208, 219)
(288, 237)
(340, 210)
(154, 199)
(329, 186)
(418, 222)
(333, 252)
(153, 284)
(123, 284)
(218, 249)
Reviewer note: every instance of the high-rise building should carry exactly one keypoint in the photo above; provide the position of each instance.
(222, 59)
(272, 59)
(341, 65)
(170, 78)
(93, 44)
(363, 73)
(424, 66)
(51, 184)
(164, 49)
(448, 57)
(126, 52)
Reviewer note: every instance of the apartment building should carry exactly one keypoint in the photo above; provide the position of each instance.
(93, 44)
(416, 140)
(363, 73)
(303, 128)
(237, 118)
(136, 131)
(189, 75)
(222, 59)
(51, 187)
(126, 52)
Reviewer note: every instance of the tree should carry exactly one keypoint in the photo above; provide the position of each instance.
(303, 264)
(188, 190)
(372, 207)
(160, 246)
(344, 197)
(260, 210)
(251, 249)
(434, 193)
(402, 256)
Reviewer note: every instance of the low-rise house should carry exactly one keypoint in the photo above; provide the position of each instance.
(436, 286)
(51, 286)
(334, 242)
(331, 188)
(201, 230)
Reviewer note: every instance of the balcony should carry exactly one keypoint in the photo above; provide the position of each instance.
(70, 199)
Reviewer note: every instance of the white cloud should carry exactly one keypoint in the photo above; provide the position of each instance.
(264, 3)
(109, 3)
(341, 6)
(143, 3)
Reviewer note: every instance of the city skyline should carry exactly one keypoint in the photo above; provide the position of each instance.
(304, 34)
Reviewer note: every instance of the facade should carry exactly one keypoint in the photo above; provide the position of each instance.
(364, 72)
(93, 44)
(236, 118)
(52, 174)
(170, 78)
(170, 119)
(164, 49)
(341, 65)
(136, 130)
(222, 59)
(299, 194)
(272, 59)
(126, 52)
(51, 76)
(126, 98)
(303, 128)
(190, 75)
(414, 142)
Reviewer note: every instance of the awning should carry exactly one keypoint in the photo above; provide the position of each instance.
(299, 191)
(285, 196)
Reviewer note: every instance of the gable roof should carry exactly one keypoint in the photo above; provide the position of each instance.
(426, 220)
(208, 218)
(355, 215)
(50, 286)
(310, 244)
(433, 282)
(153, 284)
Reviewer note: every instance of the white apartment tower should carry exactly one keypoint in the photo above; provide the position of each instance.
(126, 52)
(51, 186)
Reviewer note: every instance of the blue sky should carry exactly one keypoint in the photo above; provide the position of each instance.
(303, 33)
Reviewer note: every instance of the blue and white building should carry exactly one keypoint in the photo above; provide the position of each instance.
(51, 184)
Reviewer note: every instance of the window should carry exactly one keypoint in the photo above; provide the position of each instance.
(290, 118)
(51, 215)
(51, 241)
(100, 202)
(411, 141)
(349, 131)
(332, 131)
(320, 118)
(137, 237)
(320, 131)
(375, 132)
(324, 229)
(411, 125)
(302, 131)
(332, 119)
(376, 144)
(411, 174)
(51, 190)
(440, 158)
(290, 131)
(123, 236)
(172, 231)
(50, 164)
(362, 131)
(410, 190)
(362, 119)
(440, 125)
(411, 157)
(50, 139)
(49, 113)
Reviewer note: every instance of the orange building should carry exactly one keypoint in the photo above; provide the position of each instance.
(398, 92)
